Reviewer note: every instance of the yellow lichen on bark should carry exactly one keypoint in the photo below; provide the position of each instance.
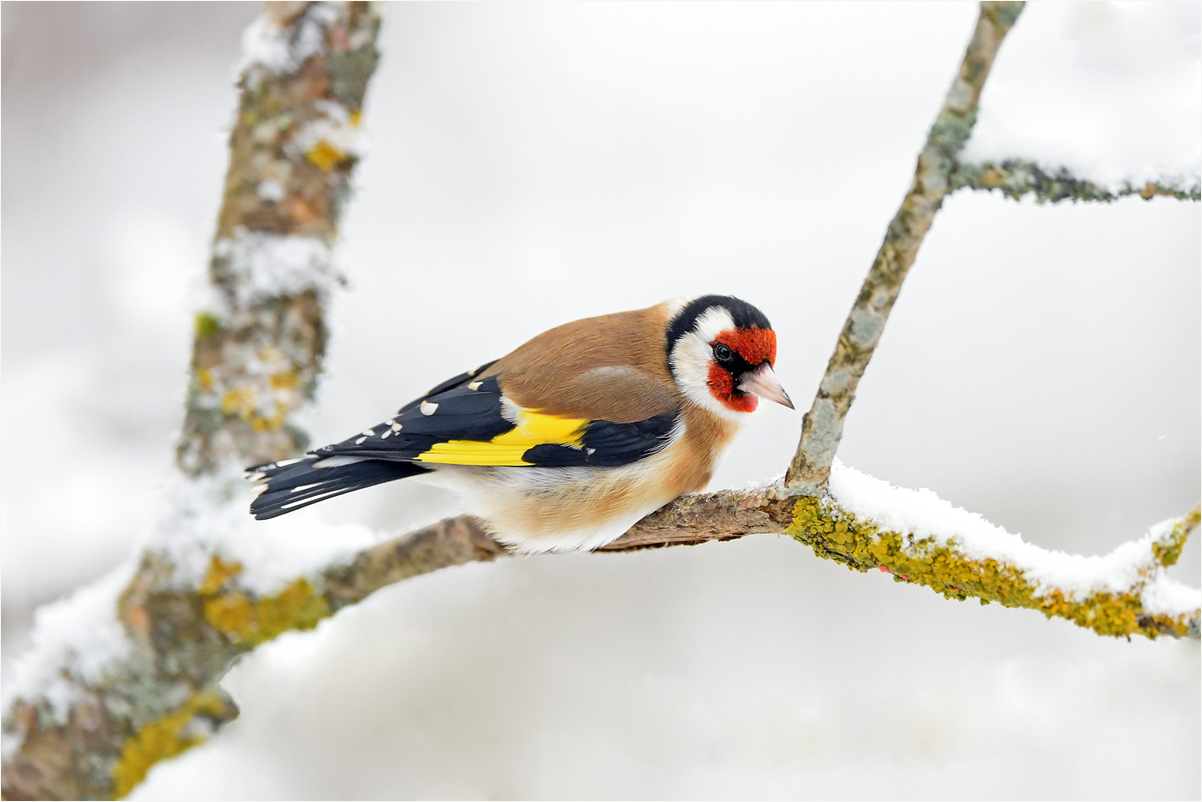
(860, 545)
(284, 380)
(219, 575)
(992, 179)
(207, 325)
(325, 156)
(262, 423)
(240, 402)
(249, 620)
(1168, 550)
(163, 738)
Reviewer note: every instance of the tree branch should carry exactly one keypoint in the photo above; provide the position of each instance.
(88, 718)
(953, 552)
(1016, 178)
(822, 426)
(258, 348)
(77, 732)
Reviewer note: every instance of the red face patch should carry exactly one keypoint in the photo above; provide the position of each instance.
(722, 387)
(756, 346)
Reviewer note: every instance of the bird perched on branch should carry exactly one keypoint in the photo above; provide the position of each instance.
(569, 440)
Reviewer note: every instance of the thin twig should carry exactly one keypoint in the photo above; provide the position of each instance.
(162, 696)
(822, 426)
(1016, 178)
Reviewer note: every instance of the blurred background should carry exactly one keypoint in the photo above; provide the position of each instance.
(531, 164)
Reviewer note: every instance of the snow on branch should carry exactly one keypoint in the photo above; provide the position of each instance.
(260, 341)
(865, 524)
(1016, 178)
(126, 673)
(822, 426)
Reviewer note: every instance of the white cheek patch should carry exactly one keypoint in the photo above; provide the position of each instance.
(691, 359)
(691, 367)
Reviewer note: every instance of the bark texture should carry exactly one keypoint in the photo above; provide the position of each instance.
(258, 349)
(257, 359)
(1016, 178)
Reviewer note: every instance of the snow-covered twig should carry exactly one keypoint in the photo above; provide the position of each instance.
(125, 673)
(822, 426)
(1016, 178)
(866, 524)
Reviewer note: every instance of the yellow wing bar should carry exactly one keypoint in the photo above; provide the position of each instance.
(532, 429)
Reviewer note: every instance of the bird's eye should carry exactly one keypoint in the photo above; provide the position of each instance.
(722, 353)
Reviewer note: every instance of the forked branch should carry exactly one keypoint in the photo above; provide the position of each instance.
(93, 727)
(822, 426)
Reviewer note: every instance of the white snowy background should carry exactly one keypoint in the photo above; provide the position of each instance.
(531, 164)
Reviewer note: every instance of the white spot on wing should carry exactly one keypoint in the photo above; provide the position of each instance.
(369, 432)
(474, 385)
(312, 499)
(337, 461)
(428, 408)
(396, 427)
(284, 463)
(359, 442)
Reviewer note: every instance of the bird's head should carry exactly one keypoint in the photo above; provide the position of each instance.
(721, 351)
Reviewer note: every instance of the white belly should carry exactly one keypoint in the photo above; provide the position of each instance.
(558, 509)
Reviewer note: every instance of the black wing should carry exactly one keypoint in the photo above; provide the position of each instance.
(461, 422)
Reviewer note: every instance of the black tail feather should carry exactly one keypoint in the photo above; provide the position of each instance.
(292, 484)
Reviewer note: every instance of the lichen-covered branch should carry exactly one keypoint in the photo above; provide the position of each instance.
(822, 426)
(1016, 178)
(258, 347)
(185, 638)
(91, 718)
(960, 556)
(126, 673)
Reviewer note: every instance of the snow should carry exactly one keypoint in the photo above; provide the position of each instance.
(270, 190)
(921, 514)
(263, 45)
(75, 641)
(536, 163)
(266, 47)
(1170, 597)
(1107, 90)
(334, 128)
(209, 516)
(267, 265)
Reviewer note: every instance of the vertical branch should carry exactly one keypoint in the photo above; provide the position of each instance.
(822, 426)
(79, 729)
(258, 348)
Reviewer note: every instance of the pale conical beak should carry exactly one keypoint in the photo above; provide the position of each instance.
(763, 382)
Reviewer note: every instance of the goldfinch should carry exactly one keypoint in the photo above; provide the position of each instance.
(568, 441)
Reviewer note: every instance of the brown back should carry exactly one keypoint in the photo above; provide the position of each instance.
(612, 367)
